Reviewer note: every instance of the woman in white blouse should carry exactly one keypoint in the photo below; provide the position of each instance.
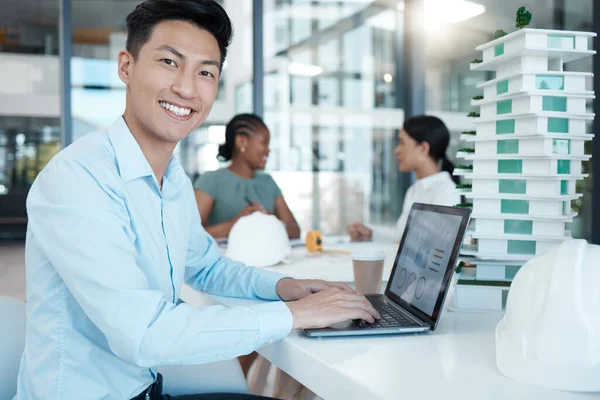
(422, 144)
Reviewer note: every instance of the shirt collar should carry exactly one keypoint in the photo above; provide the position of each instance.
(130, 158)
(133, 164)
(174, 178)
(435, 179)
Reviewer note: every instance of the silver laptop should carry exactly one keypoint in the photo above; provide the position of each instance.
(417, 287)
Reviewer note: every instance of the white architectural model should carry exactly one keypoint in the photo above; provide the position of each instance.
(528, 151)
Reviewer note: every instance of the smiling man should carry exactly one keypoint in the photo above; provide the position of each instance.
(114, 231)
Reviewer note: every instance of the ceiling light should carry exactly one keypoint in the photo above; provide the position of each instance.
(438, 13)
(388, 78)
(297, 69)
(334, 1)
(444, 12)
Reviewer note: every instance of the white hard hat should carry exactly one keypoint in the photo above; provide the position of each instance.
(550, 333)
(258, 240)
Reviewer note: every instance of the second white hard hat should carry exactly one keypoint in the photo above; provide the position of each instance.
(550, 333)
(258, 240)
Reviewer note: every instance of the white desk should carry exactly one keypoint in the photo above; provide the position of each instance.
(332, 266)
(457, 361)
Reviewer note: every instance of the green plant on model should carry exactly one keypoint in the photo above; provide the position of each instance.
(464, 205)
(523, 17)
(478, 97)
(466, 150)
(460, 266)
(583, 205)
(476, 61)
(464, 186)
(469, 132)
(473, 114)
(499, 33)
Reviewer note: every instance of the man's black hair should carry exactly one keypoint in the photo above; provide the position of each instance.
(205, 14)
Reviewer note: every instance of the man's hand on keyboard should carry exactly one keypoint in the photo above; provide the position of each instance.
(329, 307)
(290, 289)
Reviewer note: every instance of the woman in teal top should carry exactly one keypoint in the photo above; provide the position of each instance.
(227, 194)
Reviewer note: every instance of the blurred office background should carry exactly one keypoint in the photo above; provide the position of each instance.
(334, 80)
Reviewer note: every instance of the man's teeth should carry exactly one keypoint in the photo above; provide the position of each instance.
(182, 112)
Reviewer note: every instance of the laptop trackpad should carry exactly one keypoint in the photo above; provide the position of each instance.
(343, 325)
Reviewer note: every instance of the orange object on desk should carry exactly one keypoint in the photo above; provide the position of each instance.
(314, 244)
(313, 241)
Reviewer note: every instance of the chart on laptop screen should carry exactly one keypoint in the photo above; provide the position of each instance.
(424, 258)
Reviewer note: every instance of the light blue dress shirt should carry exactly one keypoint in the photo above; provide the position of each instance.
(107, 252)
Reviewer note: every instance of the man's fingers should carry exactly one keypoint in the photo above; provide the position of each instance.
(367, 317)
(344, 287)
(355, 313)
(344, 295)
(332, 305)
(356, 301)
(341, 285)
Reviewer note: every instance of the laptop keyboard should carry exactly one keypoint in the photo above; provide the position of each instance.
(390, 317)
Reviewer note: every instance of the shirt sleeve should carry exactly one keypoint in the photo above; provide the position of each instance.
(207, 183)
(449, 196)
(79, 219)
(385, 234)
(406, 205)
(273, 186)
(210, 272)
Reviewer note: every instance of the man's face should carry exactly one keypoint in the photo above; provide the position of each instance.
(173, 82)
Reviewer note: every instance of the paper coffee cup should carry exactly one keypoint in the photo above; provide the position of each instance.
(368, 270)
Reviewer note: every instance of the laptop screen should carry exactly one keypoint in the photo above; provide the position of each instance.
(426, 255)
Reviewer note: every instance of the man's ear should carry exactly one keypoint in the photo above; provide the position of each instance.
(425, 147)
(125, 65)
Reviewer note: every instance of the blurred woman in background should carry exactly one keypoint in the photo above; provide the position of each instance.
(422, 145)
(227, 194)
